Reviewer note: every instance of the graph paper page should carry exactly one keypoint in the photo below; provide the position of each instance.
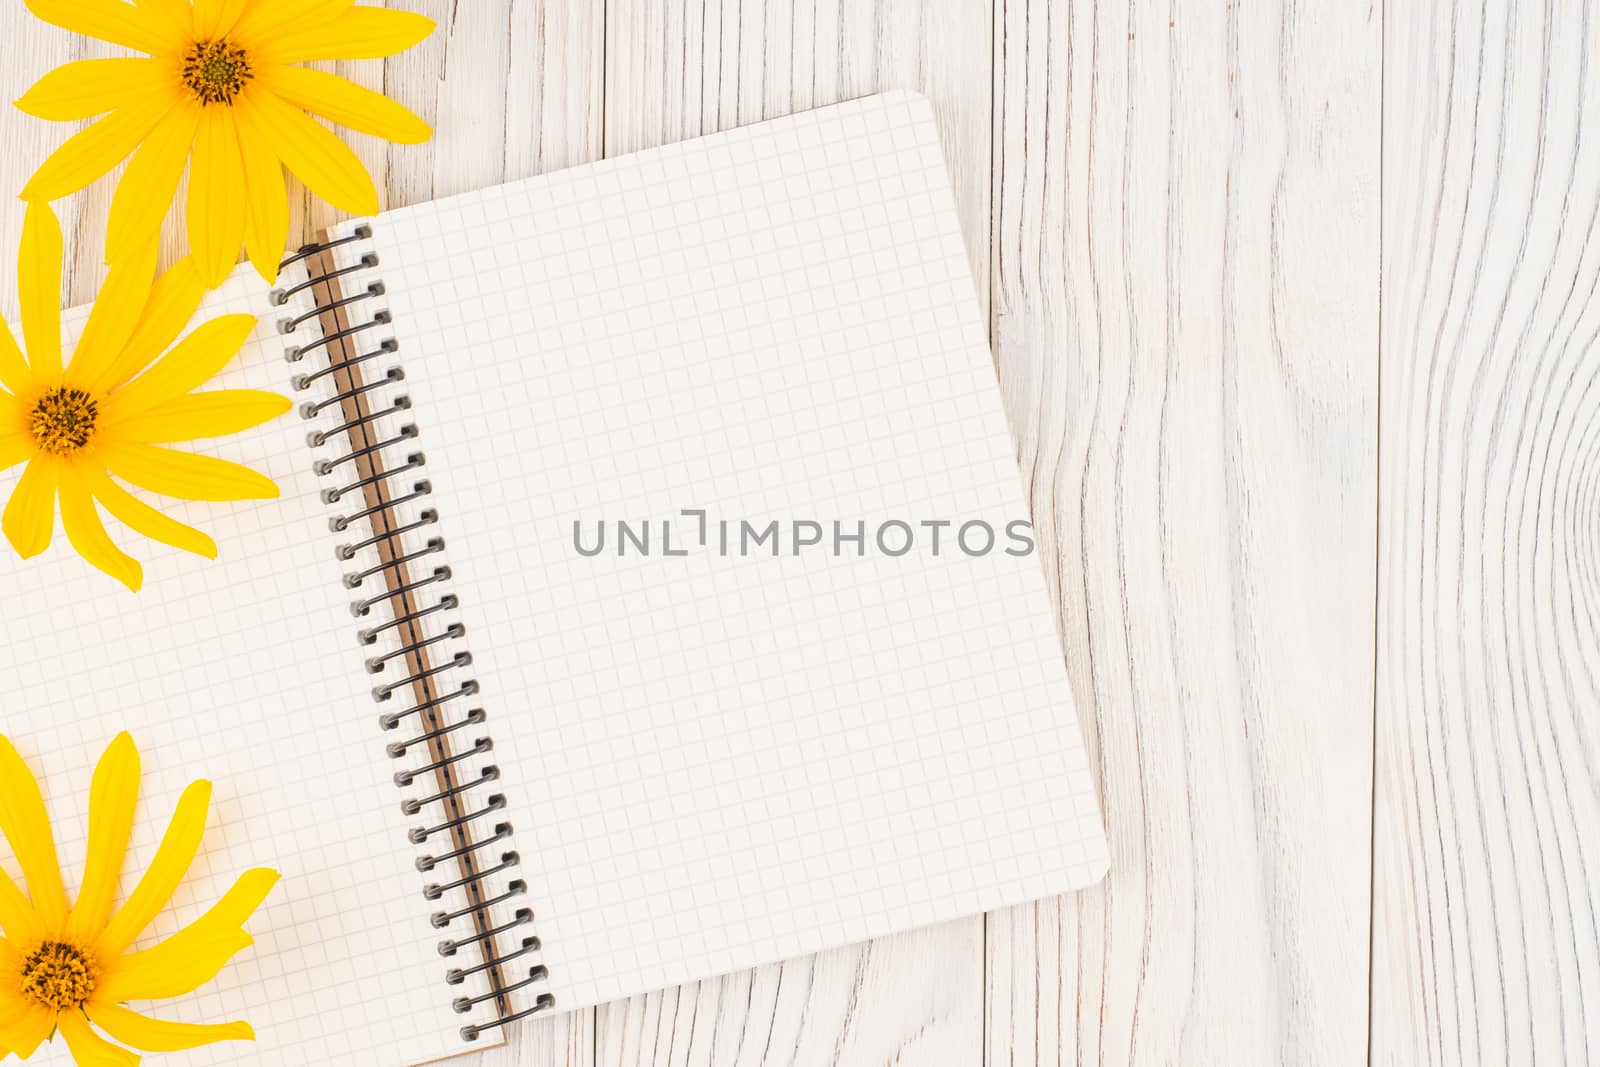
(244, 670)
(722, 758)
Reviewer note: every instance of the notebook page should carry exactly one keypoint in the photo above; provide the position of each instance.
(244, 670)
(724, 758)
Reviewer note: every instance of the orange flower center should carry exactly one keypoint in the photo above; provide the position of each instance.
(215, 71)
(59, 976)
(63, 420)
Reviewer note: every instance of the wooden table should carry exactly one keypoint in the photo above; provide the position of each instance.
(1294, 309)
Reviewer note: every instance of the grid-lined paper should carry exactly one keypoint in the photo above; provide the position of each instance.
(244, 670)
(717, 761)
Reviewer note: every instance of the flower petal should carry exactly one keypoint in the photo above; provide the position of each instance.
(358, 33)
(192, 362)
(29, 520)
(216, 175)
(90, 87)
(267, 19)
(24, 1034)
(314, 154)
(199, 415)
(171, 863)
(147, 188)
(266, 195)
(158, 1035)
(192, 956)
(184, 475)
(172, 304)
(109, 20)
(176, 16)
(39, 288)
(14, 449)
(88, 1048)
(342, 101)
(214, 18)
(141, 517)
(23, 820)
(113, 796)
(88, 534)
(116, 312)
(15, 374)
(92, 151)
(17, 917)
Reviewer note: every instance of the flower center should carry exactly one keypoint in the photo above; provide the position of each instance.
(215, 71)
(62, 422)
(58, 976)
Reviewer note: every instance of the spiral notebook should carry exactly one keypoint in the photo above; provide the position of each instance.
(651, 596)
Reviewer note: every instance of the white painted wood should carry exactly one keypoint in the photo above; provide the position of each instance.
(677, 69)
(1185, 291)
(1487, 831)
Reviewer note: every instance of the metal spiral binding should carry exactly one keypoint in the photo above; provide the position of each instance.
(403, 585)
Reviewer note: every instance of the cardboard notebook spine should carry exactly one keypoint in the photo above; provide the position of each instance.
(349, 379)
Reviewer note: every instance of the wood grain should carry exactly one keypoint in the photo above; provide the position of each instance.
(1487, 831)
(1186, 324)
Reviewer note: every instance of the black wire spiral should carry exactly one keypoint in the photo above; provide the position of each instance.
(441, 691)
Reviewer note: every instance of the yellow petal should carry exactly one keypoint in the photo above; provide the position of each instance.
(176, 16)
(343, 101)
(216, 176)
(147, 188)
(90, 87)
(172, 304)
(17, 917)
(27, 1031)
(91, 152)
(23, 820)
(192, 362)
(113, 795)
(155, 889)
(214, 18)
(200, 415)
(39, 289)
(87, 533)
(141, 517)
(30, 515)
(358, 33)
(109, 20)
(89, 1049)
(267, 19)
(184, 475)
(266, 196)
(116, 312)
(158, 1035)
(14, 372)
(315, 155)
(14, 448)
(192, 956)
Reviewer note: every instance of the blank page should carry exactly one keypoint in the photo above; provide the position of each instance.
(244, 670)
(725, 757)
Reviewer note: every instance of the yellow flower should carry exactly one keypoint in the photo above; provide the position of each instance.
(78, 425)
(63, 967)
(220, 88)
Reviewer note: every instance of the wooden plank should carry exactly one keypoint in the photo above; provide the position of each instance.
(1186, 271)
(677, 69)
(1487, 829)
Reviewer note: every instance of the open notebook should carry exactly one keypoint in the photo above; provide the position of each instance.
(603, 590)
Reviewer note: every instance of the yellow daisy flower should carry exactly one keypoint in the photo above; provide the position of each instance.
(64, 967)
(219, 88)
(77, 426)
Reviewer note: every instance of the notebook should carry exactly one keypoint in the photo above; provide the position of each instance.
(650, 597)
